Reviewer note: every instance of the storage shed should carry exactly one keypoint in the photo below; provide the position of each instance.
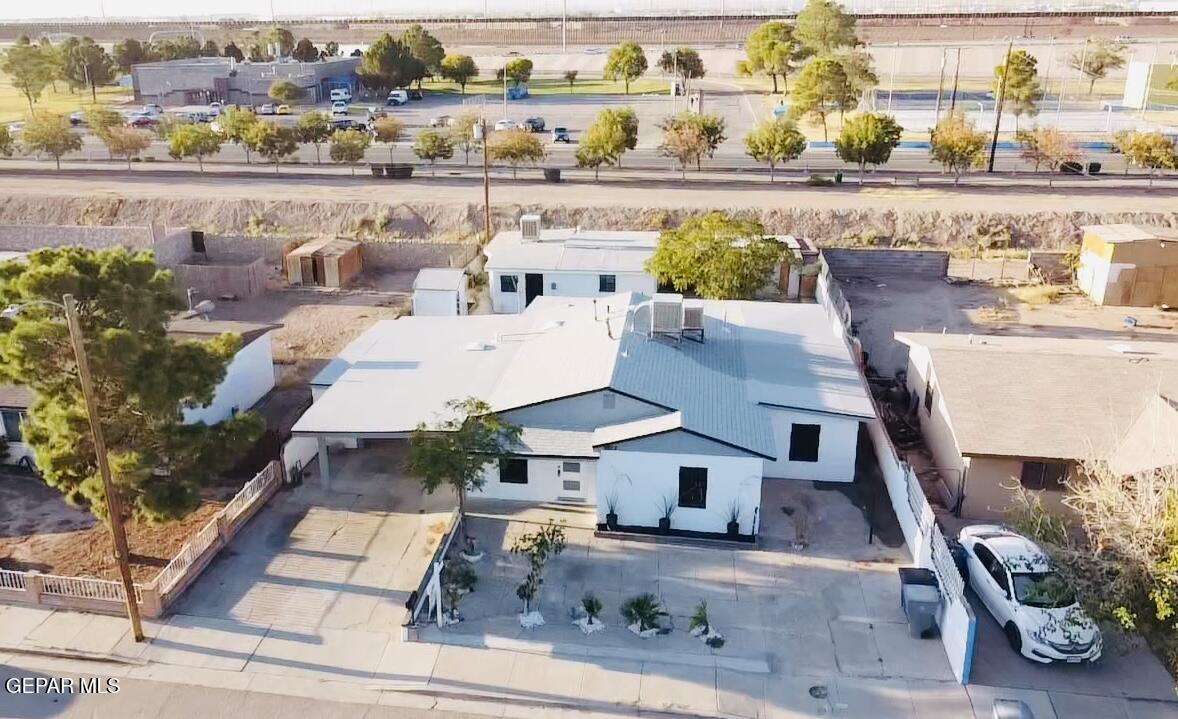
(1129, 265)
(329, 262)
(439, 293)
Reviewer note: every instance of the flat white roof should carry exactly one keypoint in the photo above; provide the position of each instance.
(572, 250)
(442, 278)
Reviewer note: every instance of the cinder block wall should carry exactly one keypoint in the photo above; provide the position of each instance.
(874, 263)
(25, 238)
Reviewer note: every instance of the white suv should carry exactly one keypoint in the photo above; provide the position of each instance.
(339, 107)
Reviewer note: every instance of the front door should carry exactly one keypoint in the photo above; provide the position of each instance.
(572, 487)
(533, 287)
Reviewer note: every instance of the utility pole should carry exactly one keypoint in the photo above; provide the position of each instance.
(998, 106)
(114, 507)
(940, 88)
(956, 77)
(892, 75)
(486, 185)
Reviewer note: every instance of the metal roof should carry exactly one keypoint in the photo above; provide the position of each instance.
(572, 250)
(1124, 232)
(443, 278)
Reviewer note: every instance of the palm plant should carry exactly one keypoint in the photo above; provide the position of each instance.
(592, 606)
(643, 610)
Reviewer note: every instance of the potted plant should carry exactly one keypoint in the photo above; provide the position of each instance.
(642, 614)
(733, 520)
(611, 511)
(668, 508)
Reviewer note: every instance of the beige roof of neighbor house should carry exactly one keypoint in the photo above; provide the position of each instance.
(1045, 397)
(572, 249)
(1151, 442)
(194, 328)
(1124, 232)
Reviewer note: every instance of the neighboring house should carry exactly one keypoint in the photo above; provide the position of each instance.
(201, 80)
(998, 410)
(249, 375)
(627, 401)
(1129, 266)
(440, 292)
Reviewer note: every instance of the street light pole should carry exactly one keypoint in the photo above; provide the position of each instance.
(486, 186)
(998, 106)
(114, 508)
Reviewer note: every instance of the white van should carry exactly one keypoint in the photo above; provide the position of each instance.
(397, 97)
(341, 94)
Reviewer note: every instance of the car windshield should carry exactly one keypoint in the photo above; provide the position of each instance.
(1045, 590)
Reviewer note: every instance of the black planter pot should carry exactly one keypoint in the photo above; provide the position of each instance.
(611, 521)
(664, 524)
(734, 529)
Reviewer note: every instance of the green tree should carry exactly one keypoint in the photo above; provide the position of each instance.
(626, 62)
(823, 27)
(857, 65)
(717, 256)
(775, 141)
(235, 122)
(426, 49)
(771, 49)
(177, 48)
(457, 451)
(1099, 56)
(210, 49)
(459, 69)
(143, 381)
(1022, 90)
(607, 139)
(518, 70)
(101, 121)
(193, 141)
(258, 53)
(50, 133)
(127, 142)
(388, 64)
(331, 49)
(822, 88)
(682, 63)
(868, 139)
(285, 91)
(349, 146)
(305, 51)
(28, 68)
(314, 128)
(7, 142)
(1152, 151)
(516, 147)
(433, 145)
(273, 142)
(683, 141)
(462, 133)
(283, 39)
(390, 131)
(1047, 146)
(130, 52)
(55, 60)
(956, 145)
(232, 50)
(570, 76)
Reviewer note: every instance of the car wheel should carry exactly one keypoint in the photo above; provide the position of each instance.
(1014, 637)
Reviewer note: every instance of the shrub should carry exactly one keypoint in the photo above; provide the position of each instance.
(643, 610)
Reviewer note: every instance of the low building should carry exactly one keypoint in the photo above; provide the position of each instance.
(201, 80)
(326, 262)
(440, 292)
(1128, 265)
(997, 411)
(628, 402)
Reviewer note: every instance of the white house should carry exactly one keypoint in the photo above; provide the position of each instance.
(530, 262)
(440, 292)
(630, 402)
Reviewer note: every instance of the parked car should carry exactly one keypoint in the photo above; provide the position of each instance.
(339, 107)
(139, 120)
(415, 94)
(15, 128)
(342, 94)
(283, 110)
(397, 97)
(441, 121)
(347, 123)
(153, 110)
(1034, 606)
(506, 124)
(216, 108)
(561, 134)
(77, 118)
(533, 124)
(267, 109)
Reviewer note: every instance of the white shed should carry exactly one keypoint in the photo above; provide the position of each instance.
(439, 293)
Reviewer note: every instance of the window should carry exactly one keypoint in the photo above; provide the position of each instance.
(608, 400)
(928, 395)
(571, 466)
(571, 485)
(513, 471)
(12, 422)
(508, 283)
(1044, 475)
(993, 566)
(607, 283)
(693, 487)
(803, 442)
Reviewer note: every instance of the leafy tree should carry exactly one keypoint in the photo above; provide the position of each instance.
(285, 91)
(433, 145)
(710, 128)
(390, 131)
(128, 142)
(425, 48)
(539, 546)
(822, 88)
(130, 52)
(305, 51)
(50, 133)
(1152, 151)
(232, 50)
(516, 147)
(28, 68)
(626, 62)
(823, 27)
(272, 142)
(348, 146)
(258, 53)
(54, 57)
(685, 142)
(177, 48)
(771, 49)
(462, 133)
(607, 139)
(143, 381)
(775, 141)
(956, 145)
(101, 121)
(7, 142)
(314, 128)
(235, 122)
(682, 63)
(283, 38)
(1098, 57)
(1047, 146)
(210, 49)
(457, 450)
(194, 141)
(459, 69)
(1022, 90)
(717, 256)
(570, 76)
(861, 75)
(331, 49)
(388, 64)
(868, 139)
(518, 70)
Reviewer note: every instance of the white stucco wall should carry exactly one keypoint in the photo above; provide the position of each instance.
(546, 478)
(247, 379)
(564, 284)
(438, 303)
(641, 480)
(1092, 275)
(837, 443)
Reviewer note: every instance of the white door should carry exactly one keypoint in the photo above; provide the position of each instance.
(572, 483)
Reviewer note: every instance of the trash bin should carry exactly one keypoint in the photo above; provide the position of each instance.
(838, 177)
(552, 174)
(915, 576)
(920, 602)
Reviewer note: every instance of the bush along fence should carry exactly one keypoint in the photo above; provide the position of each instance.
(924, 538)
(154, 597)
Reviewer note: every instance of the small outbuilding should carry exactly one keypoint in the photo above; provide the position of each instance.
(440, 292)
(327, 262)
(1128, 265)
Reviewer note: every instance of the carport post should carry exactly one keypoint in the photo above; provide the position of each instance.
(324, 463)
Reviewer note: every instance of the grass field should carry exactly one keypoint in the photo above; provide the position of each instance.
(557, 86)
(14, 106)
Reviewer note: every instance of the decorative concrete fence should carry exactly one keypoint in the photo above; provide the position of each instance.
(106, 596)
(426, 599)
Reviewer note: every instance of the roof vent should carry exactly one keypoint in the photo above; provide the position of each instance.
(479, 347)
(666, 315)
(693, 320)
(529, 228)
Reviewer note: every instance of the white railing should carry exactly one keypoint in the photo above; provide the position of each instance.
(260, 484)
(12, 580)
(187, 556)
(84, 588)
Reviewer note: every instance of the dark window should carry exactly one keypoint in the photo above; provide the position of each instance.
(508, 283)
(513, 471)
(693, 487)
(607, 283)
(12, 420)
(803, 442)
(1044, 475)
(993, 566)
(571, 466)
(928, 395)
